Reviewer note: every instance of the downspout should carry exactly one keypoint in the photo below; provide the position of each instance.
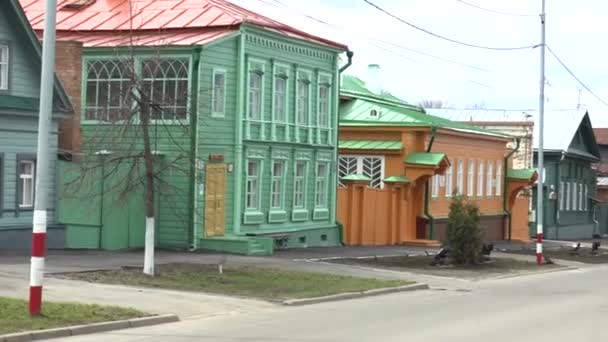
(193, 233)
(505, 194)
(558, 210)
(336, 124)
(427, 212)
(238, 137)
(101, 193)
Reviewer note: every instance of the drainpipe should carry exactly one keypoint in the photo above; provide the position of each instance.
(427, 212)
(505, 194)
(559, 178)
(238, 137)
(336, 124)
(193, 232)
(349, 55)
(101, 192)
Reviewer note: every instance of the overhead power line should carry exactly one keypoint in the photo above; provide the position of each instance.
(497, 12)
(338, 28)
(446, 38)
(575, 77)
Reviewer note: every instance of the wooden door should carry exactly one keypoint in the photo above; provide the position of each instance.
(215, 200)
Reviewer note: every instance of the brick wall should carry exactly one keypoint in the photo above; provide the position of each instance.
(68, 66)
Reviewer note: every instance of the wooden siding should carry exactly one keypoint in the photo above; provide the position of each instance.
(18, 136)
(24, 69)
(466, 149)
(216, 134)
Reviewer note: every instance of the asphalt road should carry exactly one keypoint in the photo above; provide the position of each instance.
(561, 306)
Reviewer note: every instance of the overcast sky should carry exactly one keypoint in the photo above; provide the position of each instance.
(576, 31)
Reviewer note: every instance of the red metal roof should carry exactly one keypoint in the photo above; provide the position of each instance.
(147, 18)
(601, 135)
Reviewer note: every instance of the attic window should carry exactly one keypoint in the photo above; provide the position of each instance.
(374, 113)
(79, 4)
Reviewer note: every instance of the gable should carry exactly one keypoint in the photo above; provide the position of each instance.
(583, 142)
(25, 58)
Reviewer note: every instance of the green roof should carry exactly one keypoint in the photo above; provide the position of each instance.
(356, 177)
(397, 179)
(370, 145)
(425, 158)
(392, 111)
(524, 174)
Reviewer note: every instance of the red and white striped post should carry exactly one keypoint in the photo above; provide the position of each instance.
(539, 248)
(47, 83)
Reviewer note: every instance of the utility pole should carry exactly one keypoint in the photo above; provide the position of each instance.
(541, 167)
(47, 81)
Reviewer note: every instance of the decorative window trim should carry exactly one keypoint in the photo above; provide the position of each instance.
(574, 198)
(324, 80)
(562, 191)
(490, 178)
(279, 153)
(435, 186)
(6, 45)
(258, 177)
(471, 178)
(138, 65)
(585, 202)
(281, 178)
(140, 60)
(305, 76)
(303, 155)
(324, 180)
(481, 177)
(282, 71)
(304, 184)
(568, 196)
(256, 153)
(498, 186)
(24, 157)
(580, 197)
(359, 168)
(215, 113)
(460, 177)
(258, 66)
(449, 182)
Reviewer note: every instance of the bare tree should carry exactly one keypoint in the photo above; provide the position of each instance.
(433, 104)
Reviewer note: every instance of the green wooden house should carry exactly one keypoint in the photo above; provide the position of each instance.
(570, 149)
(20, 62)
(254, 103)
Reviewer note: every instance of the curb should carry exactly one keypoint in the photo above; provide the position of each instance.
(352, 295)
(88, 328)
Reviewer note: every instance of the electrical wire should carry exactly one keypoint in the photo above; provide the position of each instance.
(575, 77)
(497, 12)
(338, 28)
(445, 38)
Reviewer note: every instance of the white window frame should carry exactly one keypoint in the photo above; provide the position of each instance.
(449, 182)
(490, 178)
(217, 91)
(324, 82)
(4, 66)
(254, 205)
(586, 201)
(568, 196)
(27, 178)
(480, 178)
(562, 194)
(435, 186)
(277, 196)
(378, 182)
(258, 67)
(580, 197)
(498, 185)
(460, 177)
(471, 179)
(281, 71)
(303, 117)
(302, 180)
(172, 99)
(574, 198)
(321, 186)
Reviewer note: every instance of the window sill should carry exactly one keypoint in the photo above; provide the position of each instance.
(277, 216)
(253, 217)
(320, 214)
(299, 215)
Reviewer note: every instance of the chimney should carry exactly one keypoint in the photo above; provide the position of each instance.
(68, 67)
(374, 78)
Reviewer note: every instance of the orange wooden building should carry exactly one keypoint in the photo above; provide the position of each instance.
(399, 168)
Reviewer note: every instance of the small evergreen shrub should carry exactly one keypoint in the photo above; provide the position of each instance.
(464, 232)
